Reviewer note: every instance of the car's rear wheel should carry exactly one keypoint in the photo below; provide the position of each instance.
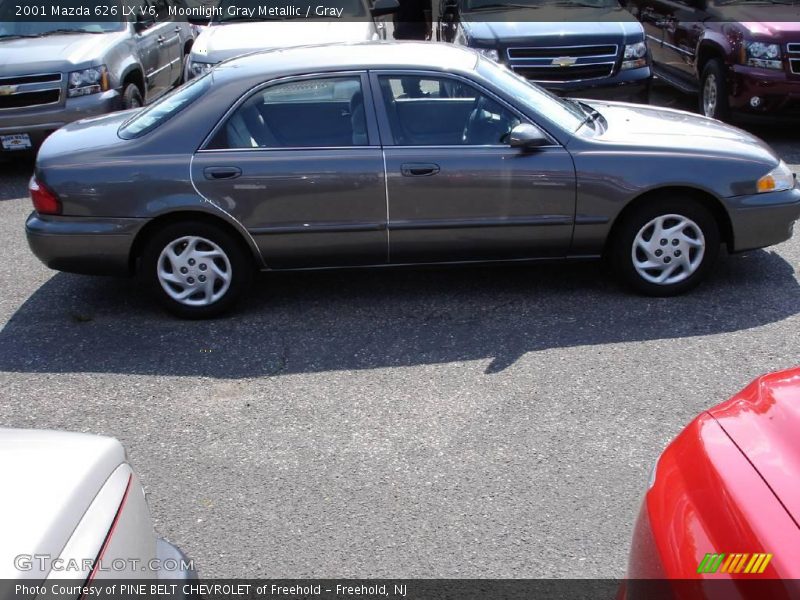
(665, 247)
(197, 270)
(714, 91)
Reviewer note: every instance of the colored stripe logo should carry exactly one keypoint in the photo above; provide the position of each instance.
(734, 563)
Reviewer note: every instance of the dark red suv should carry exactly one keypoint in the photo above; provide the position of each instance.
(721, 50)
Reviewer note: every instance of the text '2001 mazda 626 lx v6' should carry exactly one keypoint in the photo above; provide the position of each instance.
(388, 154)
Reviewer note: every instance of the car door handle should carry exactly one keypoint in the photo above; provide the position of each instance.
(419, 169)
(222, 172)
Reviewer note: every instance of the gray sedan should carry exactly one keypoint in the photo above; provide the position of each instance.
(387, 154)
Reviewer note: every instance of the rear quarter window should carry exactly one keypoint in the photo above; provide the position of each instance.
(164, 109)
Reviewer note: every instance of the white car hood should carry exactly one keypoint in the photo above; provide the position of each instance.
(49, 479)
(221, 42)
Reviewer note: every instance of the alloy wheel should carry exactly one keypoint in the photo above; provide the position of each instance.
(710, 95)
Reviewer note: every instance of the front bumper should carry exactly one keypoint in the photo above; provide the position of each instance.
(174, 563)
(632, 85)
(763, 219)
(40, 121)
(87, 245)
(777, 92)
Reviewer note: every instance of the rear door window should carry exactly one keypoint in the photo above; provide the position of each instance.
(309, 113)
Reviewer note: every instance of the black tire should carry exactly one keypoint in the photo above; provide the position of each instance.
(132, 97)
(239, 268)
(712, 81)
(625, 234)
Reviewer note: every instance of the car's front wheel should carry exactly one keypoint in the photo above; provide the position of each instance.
(665, 247)
(197, 270)
(714, 91)
(132, 97)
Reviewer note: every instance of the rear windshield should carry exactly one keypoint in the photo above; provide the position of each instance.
(170, 105)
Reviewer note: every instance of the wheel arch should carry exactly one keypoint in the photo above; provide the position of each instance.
(703, 197)
(178, 216)
(134, 74)
(707, 50)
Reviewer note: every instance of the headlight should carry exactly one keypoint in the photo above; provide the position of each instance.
(490, 53)
(779, 179)
(635, 56)
(199, 68)
(764, 56)
(88, 81)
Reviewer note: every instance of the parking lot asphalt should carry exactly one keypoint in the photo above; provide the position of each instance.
(467, 422)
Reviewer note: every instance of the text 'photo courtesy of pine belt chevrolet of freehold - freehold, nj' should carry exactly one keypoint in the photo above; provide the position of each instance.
(399, 299)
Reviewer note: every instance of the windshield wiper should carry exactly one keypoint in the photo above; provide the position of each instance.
(592, 114)
(11, 36)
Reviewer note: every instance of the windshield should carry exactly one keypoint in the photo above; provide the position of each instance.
(43, 28)
(563, 113)
(154, 115)
(477, 5)
(258, 10)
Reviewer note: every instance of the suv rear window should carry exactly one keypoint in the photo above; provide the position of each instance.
(170, 105)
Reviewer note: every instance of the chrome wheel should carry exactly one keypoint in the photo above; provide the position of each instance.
(194, 271)
(668, 249)
(710, 95)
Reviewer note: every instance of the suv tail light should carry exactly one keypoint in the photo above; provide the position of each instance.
(44, 200)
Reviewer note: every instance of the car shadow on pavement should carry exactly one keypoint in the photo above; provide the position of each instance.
(347, 320)
(14, 175)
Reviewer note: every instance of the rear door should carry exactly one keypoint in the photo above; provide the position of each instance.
(298, 161)
(169, 42)
(150, 38)
(457, 191)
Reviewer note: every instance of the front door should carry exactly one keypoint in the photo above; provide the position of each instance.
(457, 190)
(299, 164)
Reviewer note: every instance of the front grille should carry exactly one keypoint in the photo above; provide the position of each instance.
(23, 91)
(23, 79)
(23, 99)
(559, 51)
(573, 73)
(564, 63)
(794, 57)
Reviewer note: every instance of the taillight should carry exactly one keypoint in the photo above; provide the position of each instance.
(99, 560)
(44, 201)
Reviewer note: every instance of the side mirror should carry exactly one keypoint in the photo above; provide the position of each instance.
(384, 7)
(143, 21)
(527, 136)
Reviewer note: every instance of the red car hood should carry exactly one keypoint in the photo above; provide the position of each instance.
(763, 420)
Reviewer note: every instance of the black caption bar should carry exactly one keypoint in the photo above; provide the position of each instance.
(400, 589)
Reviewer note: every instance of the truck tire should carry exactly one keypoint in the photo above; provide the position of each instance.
(714, 91)
(131, 97)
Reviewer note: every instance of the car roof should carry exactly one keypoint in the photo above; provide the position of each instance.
(364, 55)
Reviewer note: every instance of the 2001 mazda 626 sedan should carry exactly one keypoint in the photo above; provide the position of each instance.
(387, 154)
